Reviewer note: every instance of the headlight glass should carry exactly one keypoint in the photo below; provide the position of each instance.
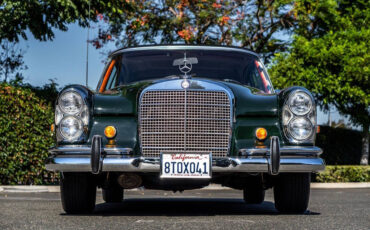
(70, 102)
(71, 127)
(300, 128)
(300, 103)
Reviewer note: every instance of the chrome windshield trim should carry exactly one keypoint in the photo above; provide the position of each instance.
(184, 47)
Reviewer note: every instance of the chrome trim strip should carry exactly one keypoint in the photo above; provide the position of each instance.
(87, 150)
(185, 117)
(287, 151)
(151, 133)
(213, 148)
(184, 47)
(125, 164)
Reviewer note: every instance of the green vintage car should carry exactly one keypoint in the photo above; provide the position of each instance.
(181, 117)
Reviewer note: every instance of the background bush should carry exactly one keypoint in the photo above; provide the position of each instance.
(25, 136)
(347, 173)
(341, 146)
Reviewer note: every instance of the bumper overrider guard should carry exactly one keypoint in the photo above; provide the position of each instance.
(271, 160)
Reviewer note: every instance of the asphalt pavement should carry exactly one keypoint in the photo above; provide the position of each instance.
(195, 209)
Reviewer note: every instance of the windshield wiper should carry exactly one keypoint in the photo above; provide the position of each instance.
(232, 80)
(172, 77)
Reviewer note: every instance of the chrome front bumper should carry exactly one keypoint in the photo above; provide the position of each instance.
(292, 159)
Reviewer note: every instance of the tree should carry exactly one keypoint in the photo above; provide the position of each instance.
(334, 65)
(11, 60)
(253, 24)
(40, 17)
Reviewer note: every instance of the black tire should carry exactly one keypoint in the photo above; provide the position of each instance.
(254, 195)
(78, 193)
(113, 195)
(292, 192)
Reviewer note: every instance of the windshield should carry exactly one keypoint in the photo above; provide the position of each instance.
(239, 67)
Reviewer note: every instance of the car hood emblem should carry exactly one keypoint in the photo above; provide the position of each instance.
(185, 64)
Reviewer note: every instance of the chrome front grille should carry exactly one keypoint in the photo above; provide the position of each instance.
(189, 121)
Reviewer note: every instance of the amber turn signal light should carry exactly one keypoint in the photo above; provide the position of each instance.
(261, 134)
(110, 132)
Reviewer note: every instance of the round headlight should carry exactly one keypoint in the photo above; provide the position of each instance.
(300, 128)
(300, 103)
(71, 127)
(70, 102)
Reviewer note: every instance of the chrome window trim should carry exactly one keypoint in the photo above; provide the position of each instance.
(175, 85)
(184, 47)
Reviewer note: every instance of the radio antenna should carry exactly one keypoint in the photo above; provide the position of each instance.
(87, 48)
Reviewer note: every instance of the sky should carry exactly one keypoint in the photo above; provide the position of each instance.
(64, 60)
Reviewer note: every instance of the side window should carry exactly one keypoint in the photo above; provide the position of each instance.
(252, 77)
(257, 77)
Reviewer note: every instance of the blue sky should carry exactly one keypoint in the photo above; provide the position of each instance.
(64, 59)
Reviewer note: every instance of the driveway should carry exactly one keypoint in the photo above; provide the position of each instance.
(196, 209)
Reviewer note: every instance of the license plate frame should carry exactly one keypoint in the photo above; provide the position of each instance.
(206, 158)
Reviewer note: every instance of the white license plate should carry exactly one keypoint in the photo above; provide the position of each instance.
(186, 165)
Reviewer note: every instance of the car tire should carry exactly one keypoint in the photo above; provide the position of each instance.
(78, 193)
(254, 195)
(113, 195)
(292, 192)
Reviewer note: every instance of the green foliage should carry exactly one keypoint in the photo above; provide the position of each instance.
(250, 24)
(48, 92)
(341, 146)
(25, 136)
(348, 173)
(330, 56)
(42, 17)
(11, 60)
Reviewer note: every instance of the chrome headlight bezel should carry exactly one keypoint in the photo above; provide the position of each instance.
(289, 115)
(82, 114)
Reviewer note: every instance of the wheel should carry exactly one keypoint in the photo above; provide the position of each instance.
(254, 195)
(111, 195)
(253, 192)
(78, 192)
(292, 192)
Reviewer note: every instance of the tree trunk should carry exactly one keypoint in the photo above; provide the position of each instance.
(365, 144)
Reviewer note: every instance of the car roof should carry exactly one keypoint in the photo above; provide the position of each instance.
(182, 46)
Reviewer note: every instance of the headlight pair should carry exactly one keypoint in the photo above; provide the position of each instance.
(71, 115)
(299, 117)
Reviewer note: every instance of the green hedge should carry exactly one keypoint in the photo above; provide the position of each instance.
(344, 173)
(25, 136)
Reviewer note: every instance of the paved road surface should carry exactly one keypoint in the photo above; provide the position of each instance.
(197, 209)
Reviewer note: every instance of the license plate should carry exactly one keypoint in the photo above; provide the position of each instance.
(186, 165)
